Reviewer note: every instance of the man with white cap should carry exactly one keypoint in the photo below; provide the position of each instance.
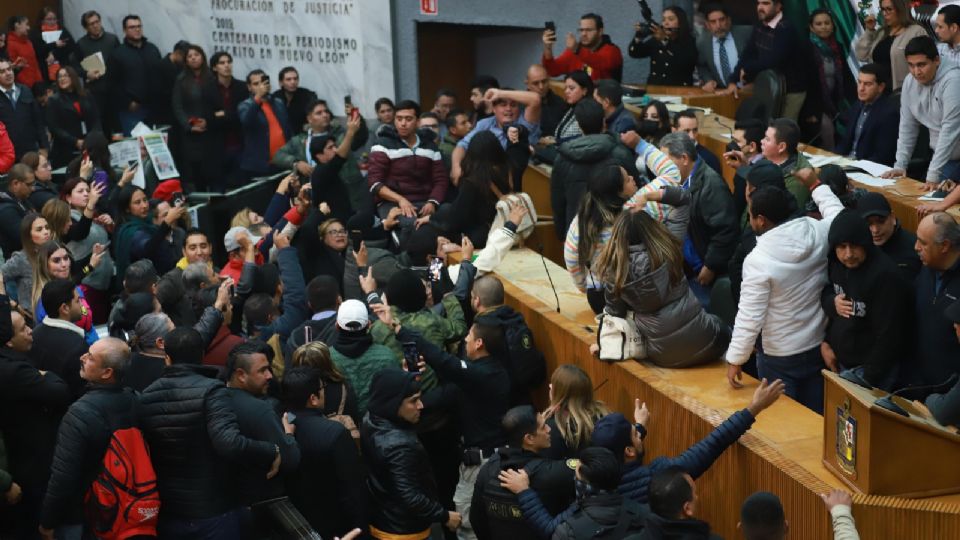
(241, 247)
(354, 352)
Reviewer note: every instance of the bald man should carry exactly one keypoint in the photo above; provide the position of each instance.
(84, 434)
(937, 286)
(552, 106)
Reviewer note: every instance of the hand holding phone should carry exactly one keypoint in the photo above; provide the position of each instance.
(411, 357)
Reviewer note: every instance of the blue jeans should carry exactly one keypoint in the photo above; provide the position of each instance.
(799, 372)
(951, 171)
(223, 527)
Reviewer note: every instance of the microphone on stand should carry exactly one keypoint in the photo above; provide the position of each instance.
(547, 270)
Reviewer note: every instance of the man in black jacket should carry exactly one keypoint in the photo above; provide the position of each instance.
(31, 405)
(713, 229)
(525, 364)
(867, 303)
(323, 298)
(21, 114)
(937, 286)
(295, 97)
(872, 119)
(14, 205)
(673, 502)
(85, 433)
(135, 71)
(326, 487)
(194, 440)
(404, 492)
(59, 342)
(577, 158)
(248, 379)
(893, 240)
(494, 510)
(477, 388)
(97, 40)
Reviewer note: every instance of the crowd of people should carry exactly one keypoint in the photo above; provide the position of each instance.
(339, 374)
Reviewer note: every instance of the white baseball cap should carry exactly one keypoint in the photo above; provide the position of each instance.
(352, 315)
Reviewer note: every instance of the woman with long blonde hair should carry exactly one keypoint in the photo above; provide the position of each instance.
(572, 413)
(642, 271)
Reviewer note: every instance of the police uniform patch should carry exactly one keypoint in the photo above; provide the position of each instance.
(525, 341)
(572, 464)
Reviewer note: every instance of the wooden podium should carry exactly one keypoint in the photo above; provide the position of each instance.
(878, 452)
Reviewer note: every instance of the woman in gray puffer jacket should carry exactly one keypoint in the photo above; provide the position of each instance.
(642, 269)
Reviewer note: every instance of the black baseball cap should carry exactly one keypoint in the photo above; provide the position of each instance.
(873, 204)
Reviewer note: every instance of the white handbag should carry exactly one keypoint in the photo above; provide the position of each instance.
(618, 338)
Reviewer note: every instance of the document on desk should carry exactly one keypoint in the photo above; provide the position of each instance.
(868, 180)
(932, 196)
(875, 169)
(665, 98)
(817, 160)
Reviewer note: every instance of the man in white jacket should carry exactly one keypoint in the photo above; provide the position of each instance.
(929, 98)
(780, 295)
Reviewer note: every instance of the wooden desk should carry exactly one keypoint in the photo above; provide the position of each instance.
(781, 453)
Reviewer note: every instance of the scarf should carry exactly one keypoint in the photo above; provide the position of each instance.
(124, 240)
(830, 50)
(352, 344)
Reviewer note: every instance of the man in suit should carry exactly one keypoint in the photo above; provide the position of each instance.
(870, 122)
(719, 48)
(21, 114)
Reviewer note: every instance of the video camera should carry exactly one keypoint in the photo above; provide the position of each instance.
(648, 22)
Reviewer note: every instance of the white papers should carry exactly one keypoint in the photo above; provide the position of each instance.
(665, 98)
(51, 36)
(931, 197)
(680, 107)
(160, 156)
(94, 62)
(818, 161)
(868, 180)
(875, 169)
(125, 153)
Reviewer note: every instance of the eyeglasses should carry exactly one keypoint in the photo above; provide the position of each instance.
(337, 232)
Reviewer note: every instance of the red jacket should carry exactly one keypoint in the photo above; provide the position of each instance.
(21, 47)
(220, 346)
(416, 174)
(604, 63)
(7, 154)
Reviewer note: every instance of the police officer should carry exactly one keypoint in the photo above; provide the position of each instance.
(495, 512)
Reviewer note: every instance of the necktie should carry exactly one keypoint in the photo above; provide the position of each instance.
(724, 61)
(13, 101)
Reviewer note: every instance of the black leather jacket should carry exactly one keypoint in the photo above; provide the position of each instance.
(401, 481)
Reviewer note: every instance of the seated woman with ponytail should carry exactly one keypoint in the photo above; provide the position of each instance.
(641, 268)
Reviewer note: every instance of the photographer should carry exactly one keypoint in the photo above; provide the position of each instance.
(670, 47)
(594, 53)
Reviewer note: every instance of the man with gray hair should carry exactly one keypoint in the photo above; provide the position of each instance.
(84, 435)
(199, 275)
(937, 286)
(712, 232)
(148, 358)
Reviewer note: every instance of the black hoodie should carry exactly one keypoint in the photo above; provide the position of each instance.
(658, 528)
(878, 334)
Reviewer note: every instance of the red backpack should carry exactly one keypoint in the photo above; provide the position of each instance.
(123, 501)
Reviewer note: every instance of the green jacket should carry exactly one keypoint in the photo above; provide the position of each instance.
(360, 371)
(439, 330)
(794, 186)
(447, 145)
(296, 150)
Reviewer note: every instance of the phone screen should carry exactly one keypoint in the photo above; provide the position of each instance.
(411, 357)
(549, 25)
(356, 238)
(436, 266)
